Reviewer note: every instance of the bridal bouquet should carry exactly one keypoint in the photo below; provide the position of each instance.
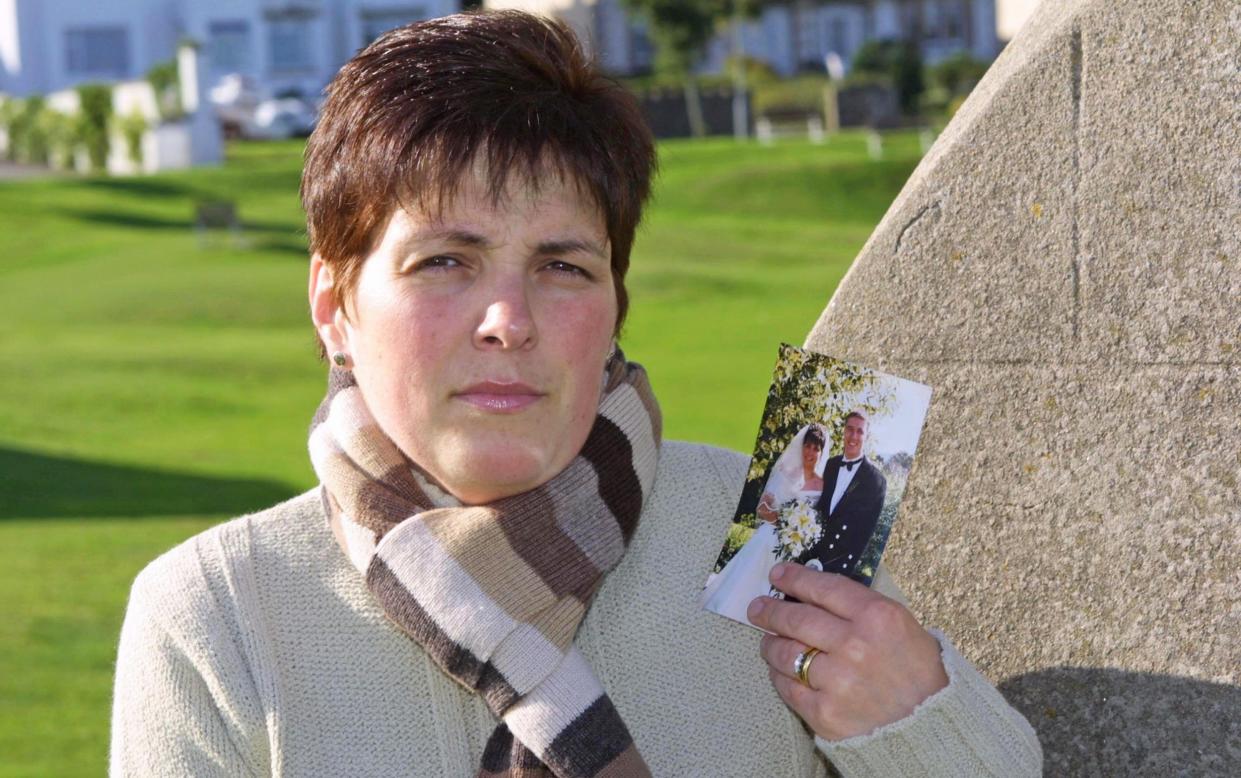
(797, 528)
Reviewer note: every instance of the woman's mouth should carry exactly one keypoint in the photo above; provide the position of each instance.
(500, 396)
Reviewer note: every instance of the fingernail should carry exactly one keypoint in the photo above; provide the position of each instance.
(777, 572)
(756, 607)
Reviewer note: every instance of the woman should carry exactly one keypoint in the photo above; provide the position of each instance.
(497, 574)
(795, 475)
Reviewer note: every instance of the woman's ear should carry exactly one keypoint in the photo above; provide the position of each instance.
(326, 307)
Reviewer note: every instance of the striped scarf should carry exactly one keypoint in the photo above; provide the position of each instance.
(495, 593)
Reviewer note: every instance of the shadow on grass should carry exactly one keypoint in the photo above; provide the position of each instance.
(143, 187)
(263, 236)
(142, 221)
(296, 246)
(1103, 721)
(42, 486)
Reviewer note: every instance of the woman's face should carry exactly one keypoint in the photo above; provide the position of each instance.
(478, 337)
(810, 455)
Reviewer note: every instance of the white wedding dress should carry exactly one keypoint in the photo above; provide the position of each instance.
(745, 576)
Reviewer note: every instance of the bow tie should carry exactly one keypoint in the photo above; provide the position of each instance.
(850, 465)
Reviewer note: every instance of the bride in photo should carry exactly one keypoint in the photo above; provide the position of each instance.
(797, 473)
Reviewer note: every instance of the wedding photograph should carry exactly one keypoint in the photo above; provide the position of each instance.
(834, 450)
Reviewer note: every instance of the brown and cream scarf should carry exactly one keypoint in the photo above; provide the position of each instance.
(495, 593)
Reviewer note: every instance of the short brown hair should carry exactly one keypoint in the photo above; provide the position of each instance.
(858, 415)
(406, 117)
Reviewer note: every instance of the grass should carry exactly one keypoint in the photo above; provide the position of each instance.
(155, 388)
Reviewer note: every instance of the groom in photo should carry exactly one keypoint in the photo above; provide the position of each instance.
(853, 494)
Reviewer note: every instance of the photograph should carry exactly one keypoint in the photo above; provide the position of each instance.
(833, 455)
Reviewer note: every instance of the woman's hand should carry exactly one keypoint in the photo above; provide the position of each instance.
(765, 510)
(876, 662)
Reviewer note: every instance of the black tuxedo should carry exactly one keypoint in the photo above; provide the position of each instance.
(847, 530)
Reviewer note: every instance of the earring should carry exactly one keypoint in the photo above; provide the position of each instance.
(339, 358)
(612, 353)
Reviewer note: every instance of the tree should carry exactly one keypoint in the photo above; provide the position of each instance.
(26, 142)
(681, 30)
(898, 62)
(93, 120)
(896, 472)
(958, 73)
(165, 82)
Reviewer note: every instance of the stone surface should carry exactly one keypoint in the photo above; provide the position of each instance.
(1064, 268)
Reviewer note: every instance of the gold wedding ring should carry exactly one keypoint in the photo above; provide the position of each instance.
(801, 665)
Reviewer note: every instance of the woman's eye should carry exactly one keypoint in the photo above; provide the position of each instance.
(437, 262)
(568, 268)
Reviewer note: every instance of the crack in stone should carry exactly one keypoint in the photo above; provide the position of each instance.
(1075, 87)
(934, 206)
(1018, 505)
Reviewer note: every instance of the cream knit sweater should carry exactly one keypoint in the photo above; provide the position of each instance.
(255, 649)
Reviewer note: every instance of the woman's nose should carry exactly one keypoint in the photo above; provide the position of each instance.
(508, 322)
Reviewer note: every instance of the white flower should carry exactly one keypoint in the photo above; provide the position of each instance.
(797, 528)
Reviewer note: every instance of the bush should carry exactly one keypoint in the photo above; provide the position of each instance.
(950, 82)
(957, 74)
(864, 78)
(876, 57)
(27, 140)
(62, 140)
(165, 82)
(898, 61)
(955, 105)
(5, 106)
(93, 120)
(805, 93)
(757, 71)
(132, 128)
(665, 82)
(10, 108)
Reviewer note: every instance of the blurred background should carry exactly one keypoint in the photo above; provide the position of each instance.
(161, 365)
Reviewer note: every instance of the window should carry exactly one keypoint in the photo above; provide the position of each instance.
(838, 37)
(809, 47)
(97, 51)
(945, 21)
(954, 23)
(642, 49)
(376, 23)
(228, 46)
(289, 44)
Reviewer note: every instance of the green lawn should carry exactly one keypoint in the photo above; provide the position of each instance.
(154, 387)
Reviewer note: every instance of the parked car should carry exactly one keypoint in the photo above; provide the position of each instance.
(288, 117)
(246, 111)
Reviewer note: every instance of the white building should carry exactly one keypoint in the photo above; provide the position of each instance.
(800, 35)
(616, 38)
(1013, 14)
(284, 45)
(791, 36)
